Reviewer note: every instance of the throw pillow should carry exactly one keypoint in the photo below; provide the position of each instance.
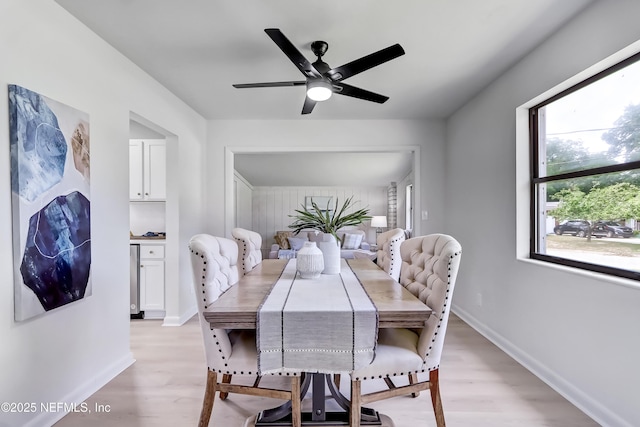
(296, 243)
(281, 239)
(351, 241)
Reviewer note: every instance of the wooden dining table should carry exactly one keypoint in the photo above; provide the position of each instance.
(237, 308)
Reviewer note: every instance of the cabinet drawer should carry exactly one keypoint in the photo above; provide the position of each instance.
(152, 251)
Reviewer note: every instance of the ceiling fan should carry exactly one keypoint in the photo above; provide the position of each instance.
(321, 80)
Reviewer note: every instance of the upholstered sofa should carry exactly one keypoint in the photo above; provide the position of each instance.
(352, 241)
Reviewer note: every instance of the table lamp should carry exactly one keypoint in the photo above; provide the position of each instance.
(379, 222)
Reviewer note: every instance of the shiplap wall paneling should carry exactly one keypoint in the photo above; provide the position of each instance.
(273, 205)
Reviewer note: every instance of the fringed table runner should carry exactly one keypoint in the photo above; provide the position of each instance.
(324, 325)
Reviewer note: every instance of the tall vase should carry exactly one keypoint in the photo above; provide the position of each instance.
(309, 261)
(331, 253)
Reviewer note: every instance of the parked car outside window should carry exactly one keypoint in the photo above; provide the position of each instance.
(610, 229)
(575, 227)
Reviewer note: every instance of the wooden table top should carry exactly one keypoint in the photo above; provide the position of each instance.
(237, 308)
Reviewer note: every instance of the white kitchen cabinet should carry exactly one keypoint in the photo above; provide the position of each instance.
(147, 169)
(152, 281)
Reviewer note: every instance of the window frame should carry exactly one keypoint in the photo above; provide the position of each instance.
(535, 179)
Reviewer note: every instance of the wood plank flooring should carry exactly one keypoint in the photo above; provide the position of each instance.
(481, 387)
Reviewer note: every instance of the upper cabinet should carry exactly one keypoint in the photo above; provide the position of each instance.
(147, 169)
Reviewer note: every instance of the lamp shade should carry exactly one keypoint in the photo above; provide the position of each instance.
(379, 221)
(319, 90)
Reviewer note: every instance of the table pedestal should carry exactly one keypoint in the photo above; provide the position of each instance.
(281, 415)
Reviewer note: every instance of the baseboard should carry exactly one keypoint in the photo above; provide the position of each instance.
(180, 320)
(154, 314)
(83, 392)
(577, 397)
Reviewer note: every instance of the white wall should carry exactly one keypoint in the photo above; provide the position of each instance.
(332, 135)
(579, 332)
(273, 205)
(67, 354)
(243, 196)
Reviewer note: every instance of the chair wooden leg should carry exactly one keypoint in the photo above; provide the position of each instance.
(413, 378)
(434, 388)
(354, 414)
(256, 383)
(296, 405)
(226, 379)
(336, 380)
(209, 397)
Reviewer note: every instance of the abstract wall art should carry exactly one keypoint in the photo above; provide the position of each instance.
(50, 170)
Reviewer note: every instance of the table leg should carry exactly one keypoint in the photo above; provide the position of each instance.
(281, 415)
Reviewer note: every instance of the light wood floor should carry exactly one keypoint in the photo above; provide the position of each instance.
(480, 385)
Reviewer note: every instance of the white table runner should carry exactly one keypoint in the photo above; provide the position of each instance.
(324, 325)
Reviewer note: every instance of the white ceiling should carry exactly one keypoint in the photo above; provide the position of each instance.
(199, 48)
(373, 169)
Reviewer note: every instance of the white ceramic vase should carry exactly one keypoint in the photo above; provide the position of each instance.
(331, 252)
(309, 261)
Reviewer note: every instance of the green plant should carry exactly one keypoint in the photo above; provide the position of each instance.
(328, 221)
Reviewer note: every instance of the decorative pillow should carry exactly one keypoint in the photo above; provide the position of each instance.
(351, 241)
(296, 243)
(281, 239)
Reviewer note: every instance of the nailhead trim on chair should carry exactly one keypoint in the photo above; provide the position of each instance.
(220, 371)
(434, 334)
(204, 270)
(244, 252)
(444, 306)
(226, 364)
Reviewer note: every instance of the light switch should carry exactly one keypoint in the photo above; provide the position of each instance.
(425, 215)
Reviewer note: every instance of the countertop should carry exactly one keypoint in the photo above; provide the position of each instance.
(145, 239)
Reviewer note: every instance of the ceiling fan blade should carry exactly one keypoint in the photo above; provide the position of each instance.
(292, 53)
(269, 84)
(356, 92)
(366, 62)
(308, 105)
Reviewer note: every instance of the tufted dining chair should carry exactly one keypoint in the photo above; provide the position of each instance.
(228, 352)
(388, 257)
(429, 270)
(249, 244)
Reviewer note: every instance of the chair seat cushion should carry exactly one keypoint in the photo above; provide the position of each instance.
(244, 356)
(396, 354)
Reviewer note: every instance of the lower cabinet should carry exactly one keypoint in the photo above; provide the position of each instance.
(152, 281)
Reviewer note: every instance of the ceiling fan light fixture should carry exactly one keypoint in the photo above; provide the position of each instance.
(319, 90)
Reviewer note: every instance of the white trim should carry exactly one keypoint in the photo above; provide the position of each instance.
(593, 408)
(83, 392)
(237, 175)
(184, 317)
(602, 277)
(523, 190)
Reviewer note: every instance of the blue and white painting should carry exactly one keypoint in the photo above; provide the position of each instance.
(50, 169)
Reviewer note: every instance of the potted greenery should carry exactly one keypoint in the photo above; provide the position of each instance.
(329, 221)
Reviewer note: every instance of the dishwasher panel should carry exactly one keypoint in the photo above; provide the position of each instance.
(134, 279)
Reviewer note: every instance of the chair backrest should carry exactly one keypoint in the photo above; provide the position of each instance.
(429, 269)
(249, 244)
(214, 261)
(388, 257)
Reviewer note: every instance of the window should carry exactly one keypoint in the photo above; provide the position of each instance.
(408, 207)
(585, 170)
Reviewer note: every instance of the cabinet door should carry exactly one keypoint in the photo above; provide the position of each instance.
(155, 170)
(151, 285)
(135, 170)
